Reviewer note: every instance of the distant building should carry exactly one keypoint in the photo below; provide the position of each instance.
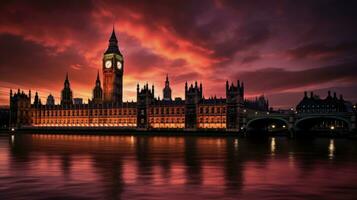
(260, 104)
(331, 104)
(77, 101)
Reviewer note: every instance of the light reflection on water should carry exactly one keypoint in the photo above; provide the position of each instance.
(138, 167)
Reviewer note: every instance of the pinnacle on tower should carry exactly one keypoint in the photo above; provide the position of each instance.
(113, 44)
(98, 79)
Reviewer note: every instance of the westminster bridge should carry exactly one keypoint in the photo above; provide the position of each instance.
(295, 122)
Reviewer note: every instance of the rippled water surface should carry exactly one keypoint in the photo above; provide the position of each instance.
(138, 167)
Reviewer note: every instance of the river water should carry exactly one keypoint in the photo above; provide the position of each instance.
(36, 166)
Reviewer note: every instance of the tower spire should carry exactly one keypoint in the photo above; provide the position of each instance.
(113, 44)
(98, 76)
(66, 81)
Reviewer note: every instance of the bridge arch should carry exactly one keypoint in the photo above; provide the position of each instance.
(332, 122)
(267, 122)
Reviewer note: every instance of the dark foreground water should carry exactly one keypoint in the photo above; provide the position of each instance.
(128, 167)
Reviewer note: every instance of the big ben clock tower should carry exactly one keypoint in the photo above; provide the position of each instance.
(113, 68)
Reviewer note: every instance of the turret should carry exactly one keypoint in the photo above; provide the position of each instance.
(66, 94)
(234, 102)
(97, 91)
(37, 100)
(50, 100)
(235, 94)
(193, 94)
(167, 90)
(144, 97)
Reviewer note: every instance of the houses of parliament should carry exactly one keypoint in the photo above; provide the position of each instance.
(107, 109)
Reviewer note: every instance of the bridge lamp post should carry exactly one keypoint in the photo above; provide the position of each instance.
(332, 128)
(273, 126)
(284, 126)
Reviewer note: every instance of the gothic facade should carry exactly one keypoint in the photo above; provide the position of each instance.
(107, 109)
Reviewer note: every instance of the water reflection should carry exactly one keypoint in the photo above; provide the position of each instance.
(331, 148)
(130, 167)
(272, 146)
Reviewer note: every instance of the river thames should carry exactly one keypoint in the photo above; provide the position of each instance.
(36, 166)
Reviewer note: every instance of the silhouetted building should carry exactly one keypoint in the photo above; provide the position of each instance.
(330, 104)
(77, 101)
(97, 91)
(106, 108)
(66, 95)
(260, 104)
(167, 90)
(50, 100)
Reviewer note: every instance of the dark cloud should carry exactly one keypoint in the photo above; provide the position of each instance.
(34, 65)
(323, 50)
(182, 78)
(275, 80)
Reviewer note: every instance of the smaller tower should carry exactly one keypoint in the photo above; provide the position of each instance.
(50, 100)
(167, 90)
(234, 103)
(37, 101)
(66, 94)
(144, 97)
(97, 91)
(193, 96)
(20, 109)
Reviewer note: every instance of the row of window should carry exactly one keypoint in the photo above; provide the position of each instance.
(98, 112)
(80, 121)
(212, 120)
(167, 120)
(167, 111)
(212, 110)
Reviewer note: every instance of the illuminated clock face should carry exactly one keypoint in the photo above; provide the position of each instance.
(119, 65)
(108, 64)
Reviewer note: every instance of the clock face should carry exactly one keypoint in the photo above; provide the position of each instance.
(108, 64)
(119, 65)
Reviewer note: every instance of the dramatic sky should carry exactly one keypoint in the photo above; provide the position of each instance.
(278, 48)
